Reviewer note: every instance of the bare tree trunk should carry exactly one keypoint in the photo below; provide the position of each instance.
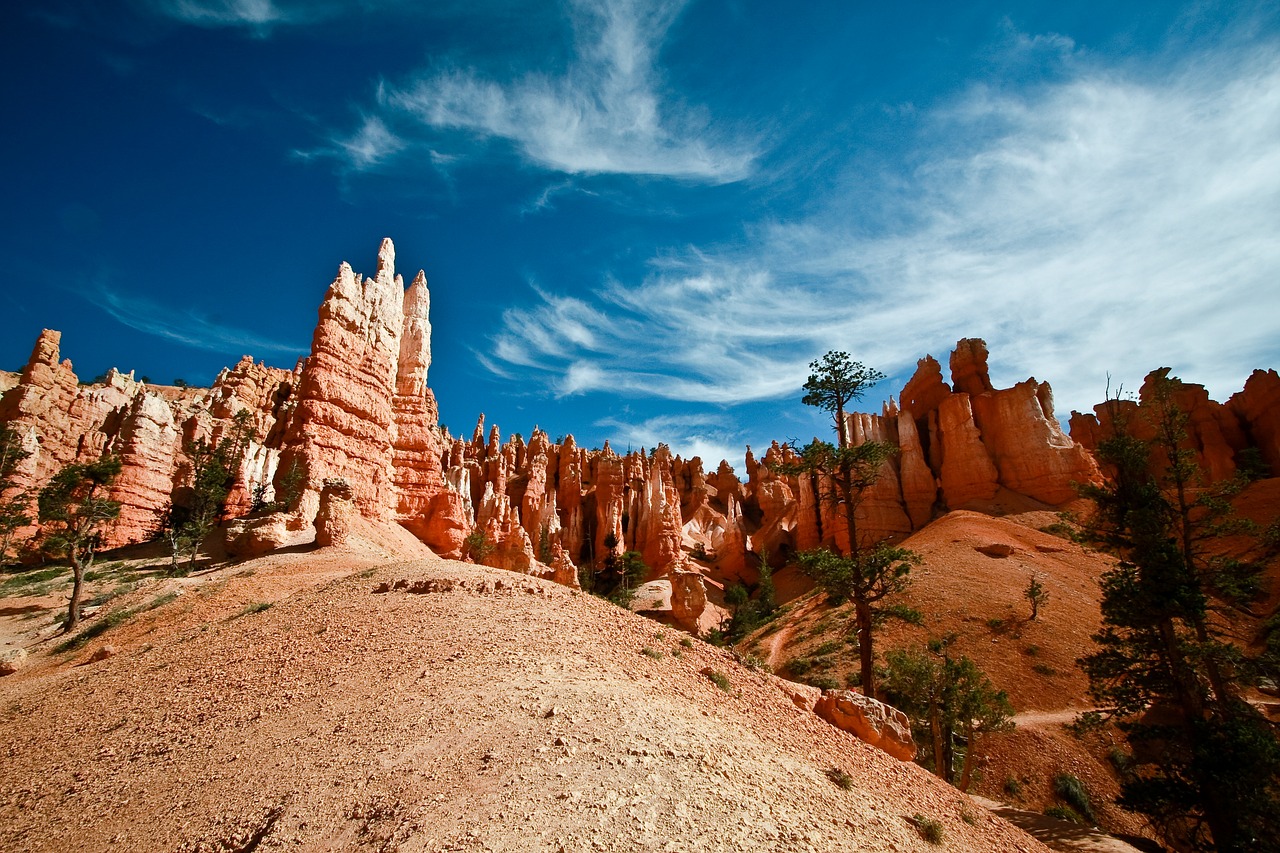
(866, 658)
(77, 584)
(940, 767)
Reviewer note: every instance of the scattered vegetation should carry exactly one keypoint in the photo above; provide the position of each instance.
(74, 507)
(843, 780)
(751, 661)
(1061, 529)
(1036, 594)
(1062, 812)
(651, 652)
(101, 626)
(1075, 794)
(930, 830)
(255, 607)
(1013, 787)
(687, 642)
(719, 679)
(900, 611)
(477, 547)
(1043, 669)
(34, 582)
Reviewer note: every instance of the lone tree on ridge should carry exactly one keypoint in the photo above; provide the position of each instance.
(871, 569)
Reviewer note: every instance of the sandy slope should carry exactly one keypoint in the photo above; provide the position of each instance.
(493, 712)
(971, 585)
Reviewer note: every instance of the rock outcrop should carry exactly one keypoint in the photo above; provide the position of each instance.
(343, 425)
(869, 720)
(358, 409)
(1220, 437)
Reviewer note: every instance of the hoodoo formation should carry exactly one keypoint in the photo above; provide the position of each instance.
(359, 409)
(348, 444)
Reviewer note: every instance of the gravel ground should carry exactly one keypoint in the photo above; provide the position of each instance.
(461, 709)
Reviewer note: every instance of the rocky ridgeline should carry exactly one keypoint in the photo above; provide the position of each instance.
(358, 422)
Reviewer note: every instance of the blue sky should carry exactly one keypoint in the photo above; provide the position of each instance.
(641, 221)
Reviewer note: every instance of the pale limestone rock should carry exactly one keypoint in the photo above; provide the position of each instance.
(869, 720)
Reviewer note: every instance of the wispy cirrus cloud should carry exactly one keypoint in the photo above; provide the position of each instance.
(258, 16)
(1105, 223)
(184, 326)
(709, 436)
(608, 113)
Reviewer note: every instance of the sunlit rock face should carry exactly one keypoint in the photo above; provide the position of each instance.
(358, 411)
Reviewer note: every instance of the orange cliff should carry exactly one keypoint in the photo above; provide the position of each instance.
(357, 418)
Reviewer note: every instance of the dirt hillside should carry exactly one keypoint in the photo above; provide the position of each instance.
(971, 583)
(285, 703)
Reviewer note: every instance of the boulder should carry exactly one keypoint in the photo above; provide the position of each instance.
(869, 720)
(12, 660)
(246, 538)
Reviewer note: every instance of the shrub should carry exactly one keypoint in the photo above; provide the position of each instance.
(256, 607)
(687, 642)
(930, 830)
(1063, 813)
(843, 780)
(651, 652)
(799, 666)
(1043, 669)
(1071, 789)
(112, 619)
(1012, 787)
(824, 682)
(901, 611)
(477, 546)
(829, 647)
(719, 679)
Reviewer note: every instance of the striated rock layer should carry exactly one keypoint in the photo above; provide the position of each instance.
(358, 414)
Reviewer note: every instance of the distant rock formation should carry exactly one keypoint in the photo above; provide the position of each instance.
(1217, 433)
(358, 410)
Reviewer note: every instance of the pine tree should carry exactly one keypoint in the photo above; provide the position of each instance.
(75, 506)
(213, 469)
(870, 570)
(952, 702)
(1208, 774)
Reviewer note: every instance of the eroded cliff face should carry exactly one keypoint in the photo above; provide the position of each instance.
(357, 416)
(1222, 436)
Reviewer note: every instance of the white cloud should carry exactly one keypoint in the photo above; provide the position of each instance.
(1105, 224)
(370, 145)
(606, 114)
(184, 326)
(257, 15)
(707, 436)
